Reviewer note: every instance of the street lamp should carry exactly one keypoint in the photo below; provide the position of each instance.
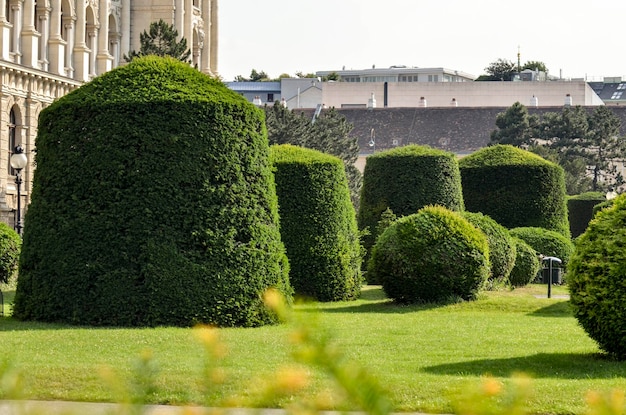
(18, 162)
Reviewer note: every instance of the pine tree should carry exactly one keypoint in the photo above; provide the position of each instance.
(161, 40)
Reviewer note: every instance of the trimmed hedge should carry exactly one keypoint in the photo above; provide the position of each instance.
(432, 255)
(10, 245)
(527, 264)
(501, 244)
(153, 203)
(580, 210)
(516, 188)
(318, 224)
(405, 179)
(597, 276)
(546, 242)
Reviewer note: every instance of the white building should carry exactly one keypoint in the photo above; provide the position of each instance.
(400, 73)
(50, 47)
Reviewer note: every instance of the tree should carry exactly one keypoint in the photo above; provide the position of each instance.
(501, 70)
(161, 40)
(535, 66)
(514, 127)
(584, 144)
(330, 133)
(255, 76)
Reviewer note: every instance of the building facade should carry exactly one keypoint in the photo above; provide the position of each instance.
(50, 47)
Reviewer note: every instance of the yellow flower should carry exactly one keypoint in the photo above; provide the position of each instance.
(491, 387)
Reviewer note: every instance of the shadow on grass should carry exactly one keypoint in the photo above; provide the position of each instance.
(560, 309)
(541, 365)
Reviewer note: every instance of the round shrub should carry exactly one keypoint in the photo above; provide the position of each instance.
(406, 179)
(153, 203)
(432, 255)
(580, 210)
(600, 206)
(317, 223)
(10, 245)
(515, 187)
(546, 242)
(597, 279)
(527, 264)
(501, 245)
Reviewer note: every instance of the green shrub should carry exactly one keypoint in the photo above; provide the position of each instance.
(597, 279)
(515, 187)
(546, 242)
(527, 264)
(501, 245)
(580, 210)
(10, 245)
(318, 224)
(406, 179)
(153, 203)
(432, 255)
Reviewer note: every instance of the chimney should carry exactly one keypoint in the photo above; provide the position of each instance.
(454, 102)
(534, 102)
(422, 103)
(568, 100)
(371, 103)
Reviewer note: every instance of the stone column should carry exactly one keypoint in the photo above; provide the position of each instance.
(16, 10)
(30, 37)
(44, 29)
(5, 32)
(213, 37)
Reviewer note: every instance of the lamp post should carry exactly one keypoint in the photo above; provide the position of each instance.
(18, 162)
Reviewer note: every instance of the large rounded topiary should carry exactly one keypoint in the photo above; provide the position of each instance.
(580, 210)
(432, 255)
(153, 203)
(597, 279)
(501, 244)
(527, 264)
(546, 242)
(318, 224)
(515, 188)
(404, 180)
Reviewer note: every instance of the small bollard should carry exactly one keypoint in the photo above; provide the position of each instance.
(550, 260)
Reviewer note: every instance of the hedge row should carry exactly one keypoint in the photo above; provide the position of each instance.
(318, 224)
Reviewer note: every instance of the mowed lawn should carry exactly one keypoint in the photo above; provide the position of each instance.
(424, 356)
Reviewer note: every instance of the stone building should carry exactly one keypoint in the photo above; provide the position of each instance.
(50, 47)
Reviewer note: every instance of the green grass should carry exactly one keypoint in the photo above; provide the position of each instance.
(423, 355)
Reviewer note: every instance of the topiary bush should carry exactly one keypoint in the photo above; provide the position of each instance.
(501, 244)
(597, 276)
(602, 205)
(153, 203)
(546, 242)
(406, 179)
(10, 245)
(318, 224)
(516, 188)
(432, 255)
(580, 210)
(527, 264)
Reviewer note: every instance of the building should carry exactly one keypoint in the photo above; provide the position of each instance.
(50, 47)
(612, 90)
(399, 73)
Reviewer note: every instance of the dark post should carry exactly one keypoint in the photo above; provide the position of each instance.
(18, 162)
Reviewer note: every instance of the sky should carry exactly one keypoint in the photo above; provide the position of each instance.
(574, 39)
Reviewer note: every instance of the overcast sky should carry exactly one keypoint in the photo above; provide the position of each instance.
(573, 38)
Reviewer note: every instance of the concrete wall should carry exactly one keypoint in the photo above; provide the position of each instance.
(466, 94)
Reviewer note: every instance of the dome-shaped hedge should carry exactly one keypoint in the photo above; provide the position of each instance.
(406, 179)
(317, 224)
(596, 279)
(153, 203)
(546, 243)
(501, 244)
(432, 255)
(527, 264)
(515, 188)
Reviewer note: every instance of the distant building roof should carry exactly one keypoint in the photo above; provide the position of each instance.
(254, 86)
(610, 92)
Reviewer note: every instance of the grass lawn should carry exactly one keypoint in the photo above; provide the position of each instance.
(424, 356)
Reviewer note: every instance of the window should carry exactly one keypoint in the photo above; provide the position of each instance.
(270, 97)
(617, 95)
(12, 143)
(621, 86)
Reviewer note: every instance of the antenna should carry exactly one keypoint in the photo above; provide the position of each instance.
(519, 64)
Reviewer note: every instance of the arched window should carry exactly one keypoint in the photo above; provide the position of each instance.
(12, 140)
